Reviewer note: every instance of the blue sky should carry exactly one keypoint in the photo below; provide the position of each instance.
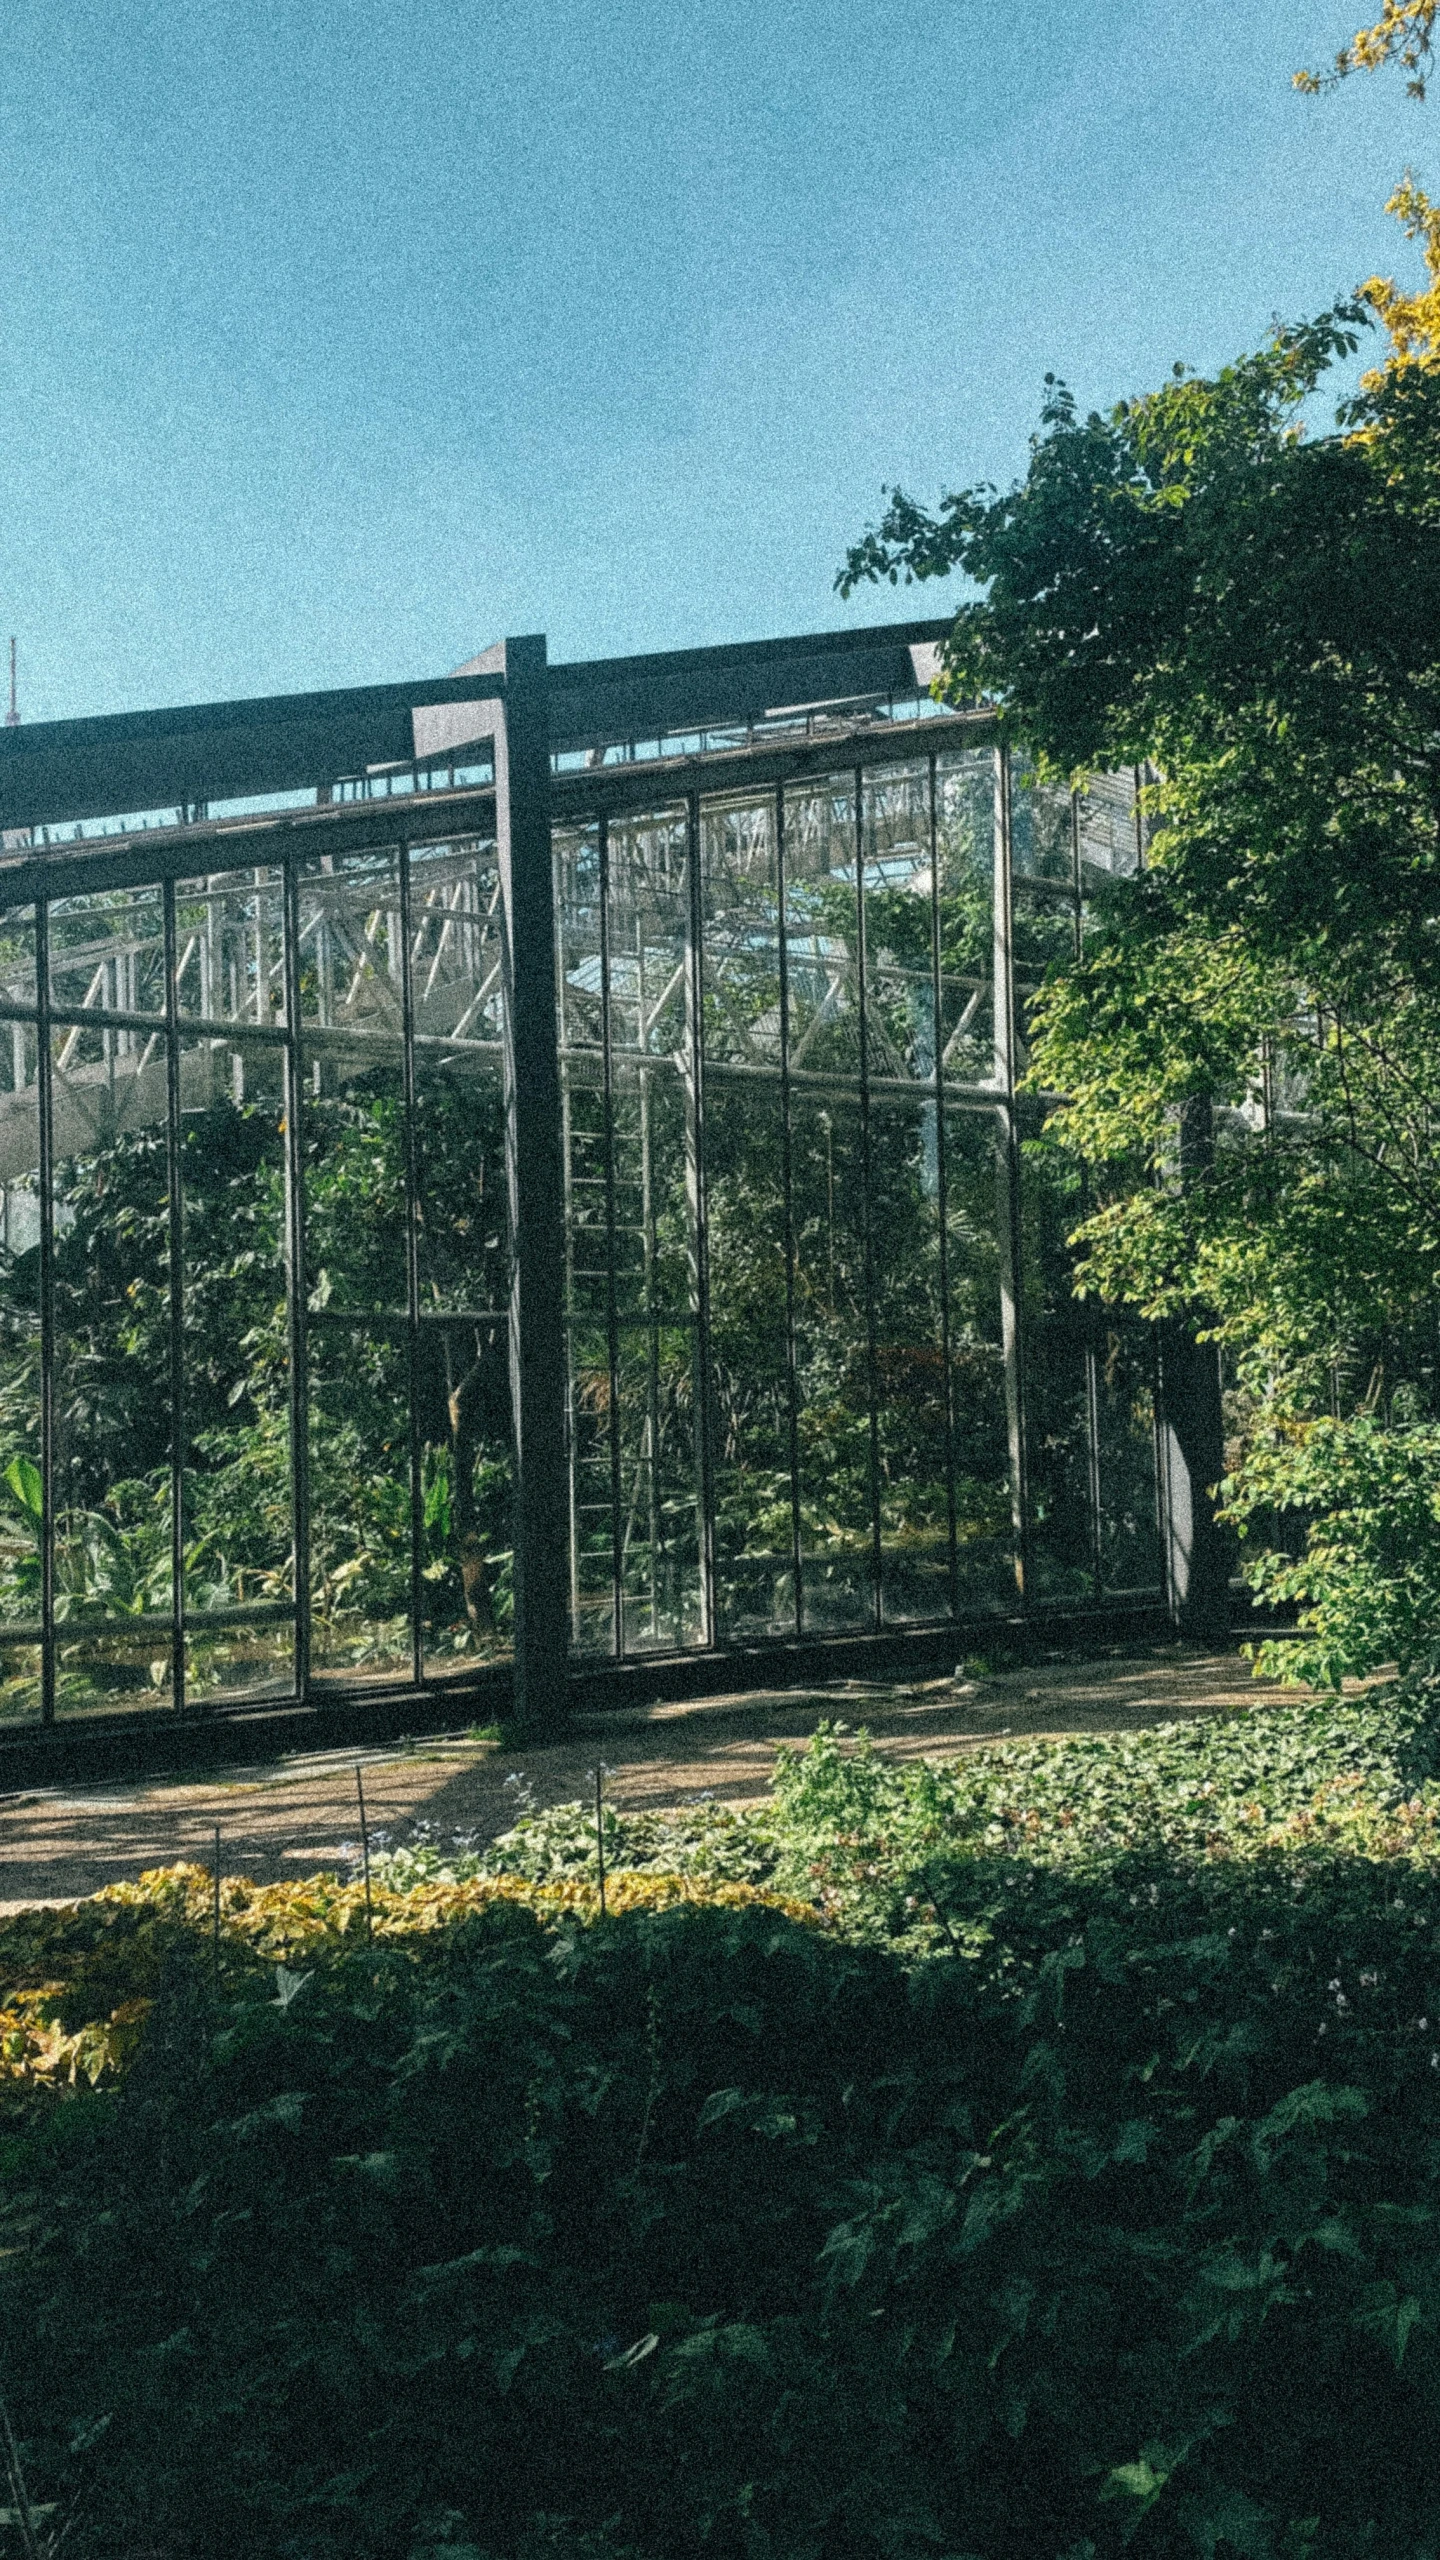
(340, 338)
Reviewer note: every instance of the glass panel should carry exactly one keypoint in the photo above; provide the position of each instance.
(360, 1517)
(462, 1194)
(107, 951)
(462, 1388)
(741, 930)
(822, 929)
(587, 1246)
(353, 1154)
(577, 918)
(352, 1076)
(229, 947)
(1056, 1340)
(1044, 931)
(112, 1422)
(21, 1508)
(909, 1362)
(1044, 927)
(1061, 1545)
(239, 1565)
(649, 932)
(984, 1532)
(1109, 847)
(1130, 1557)
(659, 1524)
(351, 945)
(17, 957)
(456, 990)
(592, 1508)
(654, 1253)
(832, 1364)
(653, 1227)
(754, 1575)
(901, 982)
(965, 850)
(457, 1007)
(1042, 843)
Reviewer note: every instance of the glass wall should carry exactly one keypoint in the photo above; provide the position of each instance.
(807, 1395)
(254, 1281)
(825, 1375)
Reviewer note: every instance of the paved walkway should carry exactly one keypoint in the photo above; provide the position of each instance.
(293, 1817)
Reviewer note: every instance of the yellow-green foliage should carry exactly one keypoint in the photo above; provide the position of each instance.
(76, 1984)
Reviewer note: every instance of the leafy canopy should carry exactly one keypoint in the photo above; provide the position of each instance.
(1200, 584)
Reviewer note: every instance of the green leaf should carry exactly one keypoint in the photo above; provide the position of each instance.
(27, 1485)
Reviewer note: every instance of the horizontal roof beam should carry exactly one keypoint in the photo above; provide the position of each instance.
(125, 763)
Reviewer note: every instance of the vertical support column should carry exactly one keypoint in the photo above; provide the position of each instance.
(175, 1198)
(872, 1361)
(1192, 1442)
(536, 1185)
(1008, 1175)
(788, 1193)
(697, 1211)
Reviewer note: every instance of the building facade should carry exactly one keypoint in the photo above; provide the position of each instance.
(531, 1169)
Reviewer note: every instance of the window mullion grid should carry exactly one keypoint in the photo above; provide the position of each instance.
(787, 1195)
(177, 1307)
(412, 1281)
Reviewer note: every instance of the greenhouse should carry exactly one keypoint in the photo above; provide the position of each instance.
(524, 1170)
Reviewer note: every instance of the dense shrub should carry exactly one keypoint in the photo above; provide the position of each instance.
(1366, 1583)
(1091, 2205)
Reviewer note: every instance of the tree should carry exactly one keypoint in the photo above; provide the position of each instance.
(1198, 583)
(1403, 33)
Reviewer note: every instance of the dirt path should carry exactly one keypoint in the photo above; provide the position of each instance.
(292, 1817)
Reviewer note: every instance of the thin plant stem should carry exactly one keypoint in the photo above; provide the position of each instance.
(365, 1857)
(600, 1832)
(18, 2490)
(215, 1929)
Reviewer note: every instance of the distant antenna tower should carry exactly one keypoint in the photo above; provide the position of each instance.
(12, 716)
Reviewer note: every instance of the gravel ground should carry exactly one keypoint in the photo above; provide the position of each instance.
(292, 1817)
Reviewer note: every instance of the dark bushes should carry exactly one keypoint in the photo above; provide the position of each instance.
(696, 2232)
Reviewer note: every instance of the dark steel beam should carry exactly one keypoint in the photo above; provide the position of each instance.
(133, 761)
(186, 851)
(671, 693)
(535, 1167)
(125, 761)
